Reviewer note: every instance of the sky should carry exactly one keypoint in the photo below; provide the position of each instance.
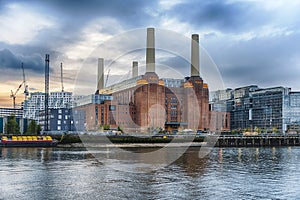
(250, 41)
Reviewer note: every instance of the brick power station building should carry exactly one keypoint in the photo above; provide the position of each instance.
(147, 101)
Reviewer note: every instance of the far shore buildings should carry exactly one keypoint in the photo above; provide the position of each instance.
(146, 102)
(61, 116)
(36, 103)
(18, 113)
(267, 110)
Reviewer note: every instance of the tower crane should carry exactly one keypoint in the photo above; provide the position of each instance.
(13, 95)
(61, 77)
(25, 84)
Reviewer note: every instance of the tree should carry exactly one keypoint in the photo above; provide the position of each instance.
(106, 127)
(12, 127)
(258, 130)
(120, 129)
(275, 130)
(100, 128)
(33, 128)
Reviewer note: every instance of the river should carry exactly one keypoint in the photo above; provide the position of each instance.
(74, 173)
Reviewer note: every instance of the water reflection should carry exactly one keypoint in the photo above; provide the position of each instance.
(257, 154)
(45, 154)
(220, 155)
(226, 173)
(239, 154)
(191, 164)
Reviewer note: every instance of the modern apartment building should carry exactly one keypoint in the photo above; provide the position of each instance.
(275, 109)
(36, 103)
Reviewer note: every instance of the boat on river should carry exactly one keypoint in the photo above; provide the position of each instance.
(28, 141)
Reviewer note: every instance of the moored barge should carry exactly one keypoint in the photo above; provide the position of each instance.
(28, 141)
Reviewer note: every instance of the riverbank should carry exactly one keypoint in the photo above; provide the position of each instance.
(133, 145)
(72, 140)
(124, 139)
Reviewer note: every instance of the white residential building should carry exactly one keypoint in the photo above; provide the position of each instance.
(36, 102)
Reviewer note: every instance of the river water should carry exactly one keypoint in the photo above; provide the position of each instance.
(74, 173)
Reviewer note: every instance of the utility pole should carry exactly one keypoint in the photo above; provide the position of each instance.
(46, 126)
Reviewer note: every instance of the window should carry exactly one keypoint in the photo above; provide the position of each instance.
(58, 128)
(59, 116)
(66, 116)
(58, 122)
(173, 107)
(59, 111)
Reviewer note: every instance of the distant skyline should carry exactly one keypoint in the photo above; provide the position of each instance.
(251, 41)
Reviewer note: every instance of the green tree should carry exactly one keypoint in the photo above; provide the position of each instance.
(120, 129)
(12, 127)
(106, 127)
(33, 128)
(275, 130)
(258, 130)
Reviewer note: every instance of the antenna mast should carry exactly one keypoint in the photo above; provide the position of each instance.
(61, 77)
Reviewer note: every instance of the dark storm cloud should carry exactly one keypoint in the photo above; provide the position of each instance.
(243, 61)
(221, 15)
(77, 13)
(70, 17)
(8, 60)
(266, 60)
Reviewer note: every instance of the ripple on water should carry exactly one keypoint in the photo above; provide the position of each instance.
(228, 173)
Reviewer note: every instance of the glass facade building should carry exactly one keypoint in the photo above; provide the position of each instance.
(275, 109)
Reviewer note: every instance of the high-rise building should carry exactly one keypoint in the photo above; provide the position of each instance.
(275, 109)
(291, 112)
(36, 103)
(240, 106)
(267, 108)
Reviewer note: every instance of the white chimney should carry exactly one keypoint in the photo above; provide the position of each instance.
(134, 69)
(150, 51)
(195, 67)
(100, 76)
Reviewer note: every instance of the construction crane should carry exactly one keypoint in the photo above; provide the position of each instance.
(107, 78)
(61, 77)
(26, 93)
(13, 95)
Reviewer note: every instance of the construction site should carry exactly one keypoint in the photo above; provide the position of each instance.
(39, 106)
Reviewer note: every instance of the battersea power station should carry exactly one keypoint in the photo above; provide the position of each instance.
(147, 102)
